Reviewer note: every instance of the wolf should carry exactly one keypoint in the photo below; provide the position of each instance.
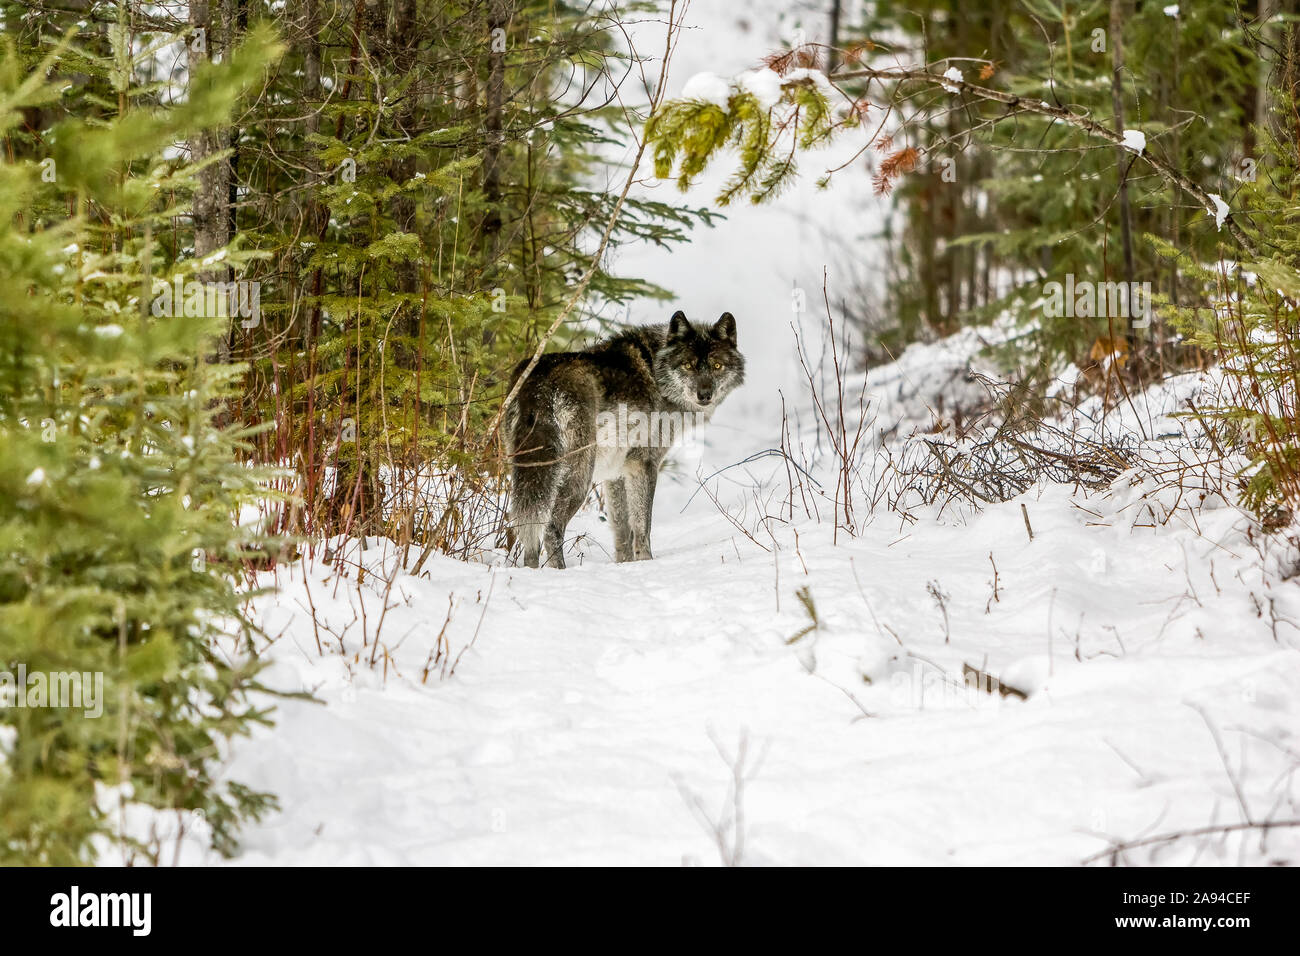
(568, 427)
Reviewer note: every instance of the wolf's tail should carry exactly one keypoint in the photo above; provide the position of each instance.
(536, 444)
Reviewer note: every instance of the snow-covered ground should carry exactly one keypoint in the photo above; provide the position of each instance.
(599, 715)
(660, 712)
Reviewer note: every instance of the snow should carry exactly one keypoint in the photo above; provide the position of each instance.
(764, 85)
(1220, 210)
(481, 713)
(818, 78)
(1135, 140)
(954, 74)
(708, 88)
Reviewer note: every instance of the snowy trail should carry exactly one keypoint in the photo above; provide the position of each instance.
(584, 716)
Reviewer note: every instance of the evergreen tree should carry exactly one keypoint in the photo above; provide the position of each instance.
(121, 549)
(419, 180)
(423, 215)
(998, 201)
(1109, 143)
(1248, 317)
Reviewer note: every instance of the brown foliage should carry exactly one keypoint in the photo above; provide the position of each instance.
(893, 166)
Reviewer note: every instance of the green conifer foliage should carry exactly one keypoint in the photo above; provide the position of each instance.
(997, 201)
(422, 178)
(1248, 314)
(121, 551)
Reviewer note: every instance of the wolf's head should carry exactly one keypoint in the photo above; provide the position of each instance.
(696, 368)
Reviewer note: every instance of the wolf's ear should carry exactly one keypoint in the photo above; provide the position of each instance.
(678, 327)
(724, 330)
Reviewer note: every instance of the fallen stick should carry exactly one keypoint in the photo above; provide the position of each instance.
(988, 683)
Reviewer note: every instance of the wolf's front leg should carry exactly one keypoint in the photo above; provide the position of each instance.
(616, 504)
(639, 480)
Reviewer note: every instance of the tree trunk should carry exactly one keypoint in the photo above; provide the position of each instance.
(404, 48)
(1122, 155)
(234, 16)
(493, 126)
(835, 35)
(212, 194)
(211, 216)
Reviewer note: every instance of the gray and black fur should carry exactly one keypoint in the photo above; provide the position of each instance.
(551, 427)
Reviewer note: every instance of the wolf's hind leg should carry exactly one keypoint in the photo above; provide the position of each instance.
(530, 541)
(616, 503)
(570, 499)
(639, 479)
(531, 504)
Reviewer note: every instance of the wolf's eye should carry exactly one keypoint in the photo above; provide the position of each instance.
(717, 365)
